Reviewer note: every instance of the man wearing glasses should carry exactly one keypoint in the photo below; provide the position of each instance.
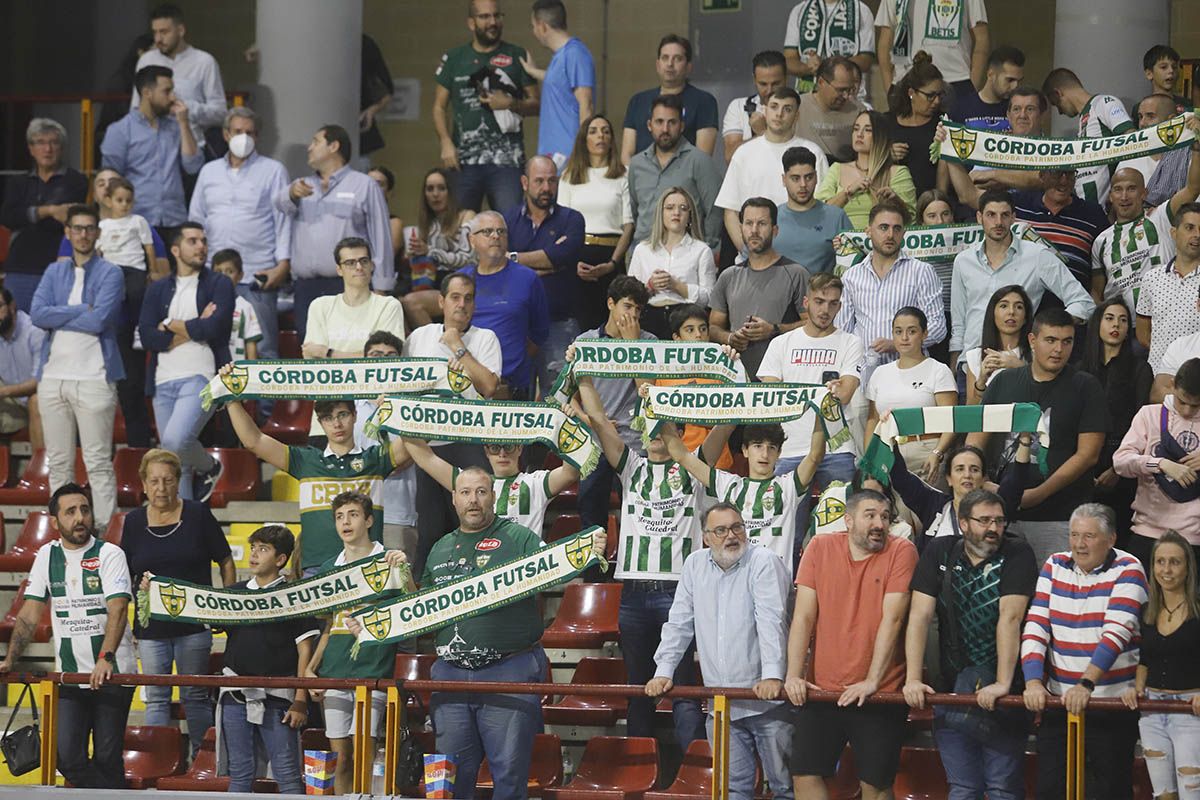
(78, 302)
(979, 585)
(827, 113)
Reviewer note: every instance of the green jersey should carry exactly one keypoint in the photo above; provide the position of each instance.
(1125, 250)
(768, 507)
(481, 135)
(324, 475)
(375, 659)
(1104, 115)
(660, 518)
(484, 639)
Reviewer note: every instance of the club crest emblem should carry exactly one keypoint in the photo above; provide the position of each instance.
(174, 599)
(1170, 131)
(376, 574)
(459, 381)
(580, 550)
(829, 511)
(768, 501)
(963, 141)
(92, 582)
(237, 379)
(674, 478)
(846, 246)
(481, 561)
(831, 409)
(571, 437)
(378, 623)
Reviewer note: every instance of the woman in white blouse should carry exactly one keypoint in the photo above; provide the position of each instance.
(1005, 341)
(912, 381)
(594, 184)
(675, 263)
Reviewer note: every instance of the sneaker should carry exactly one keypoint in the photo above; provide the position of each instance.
(203, 483)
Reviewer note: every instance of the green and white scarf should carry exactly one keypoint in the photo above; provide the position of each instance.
(350, 585)
(930, 243)
(965, 145)
(500, 422)
(998, 418)
(902, 42)
(470, 596)
(642, 358)
(840, 38)
(333, 379)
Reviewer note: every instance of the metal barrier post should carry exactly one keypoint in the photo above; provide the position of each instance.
(1075, 757)
(720, 750)
(391, 739)
(87, 137)
(364, 756)
(48, 699)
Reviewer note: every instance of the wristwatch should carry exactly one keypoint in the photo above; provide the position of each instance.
(1088, 684)
(108, 656)
(460, 352)
(777, 331)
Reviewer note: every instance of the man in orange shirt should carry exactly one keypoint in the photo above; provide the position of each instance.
(851, 601)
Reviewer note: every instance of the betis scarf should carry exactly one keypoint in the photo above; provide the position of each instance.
(500, 422)
(998, 418)
(742, 404)
(333, 379)
(826, 33)
(642, 358)
(929, 243)
(353, 584)
(472, 595)
(965, 145)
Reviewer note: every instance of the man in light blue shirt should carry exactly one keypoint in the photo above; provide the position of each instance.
(234, 201)
(21, 344)
(335, 203)
(568, 83)
(1004, 260)
(806, 225)
(731, 598)
(150, 144)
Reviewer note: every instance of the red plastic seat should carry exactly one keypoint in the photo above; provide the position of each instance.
(694, 779)
(591, 709)
(126, 462)
(116, 527)
(587, 617)
(844, 785)
(4, 465)
(920, 776)
(33, 489)
(290, 421)
(35, 532)
(545, 768)
(241, 480)
(289, 344)
(152, 752)
(1142, 790)
(617, 767)
(44, 627)
(564, 525)
(202, 775)
(920, 718)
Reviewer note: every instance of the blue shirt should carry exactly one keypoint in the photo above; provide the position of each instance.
(97, 314)
(511, 303)
(973, 112)
(149, 158)
(699, 112)
(19, 356)
(237, 210)
(560, 236)
(570, 68)
(806, 237)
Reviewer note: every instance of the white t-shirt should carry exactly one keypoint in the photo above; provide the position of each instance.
(1124, 251)
(757, 171)
(75, 356)
(122, 241)
(736, 119)
(604, 202)
(189, 358)
(916, 387)
(768, 507)
(1177, 352)
(974, 359)
(245, 328)
(425, 342)
(691, 262)
(834, 45)
(796, 357)
(942, 28)
(346, 328)
(660, 518)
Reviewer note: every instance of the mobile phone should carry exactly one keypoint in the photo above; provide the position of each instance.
(829, 375)
(262, 279)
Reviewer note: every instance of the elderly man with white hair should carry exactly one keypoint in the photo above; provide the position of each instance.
(510, 301)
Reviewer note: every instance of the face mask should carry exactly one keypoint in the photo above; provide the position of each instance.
(241, 145)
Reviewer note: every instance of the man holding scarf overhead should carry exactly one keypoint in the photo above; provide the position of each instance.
(817, 29)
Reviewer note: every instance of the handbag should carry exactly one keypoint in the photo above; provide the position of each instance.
(22, 748)
(410, 758)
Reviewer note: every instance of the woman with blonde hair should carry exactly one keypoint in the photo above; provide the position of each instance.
(872, 176)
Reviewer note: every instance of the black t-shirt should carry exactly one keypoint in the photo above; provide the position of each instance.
(918, 138)
(1074, 403)
(972, 111)
(268, 648)
(976, 591)
(186, 552)
(1173, 661)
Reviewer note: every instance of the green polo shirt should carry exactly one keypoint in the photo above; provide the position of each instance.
(323, 476)
(375, 659)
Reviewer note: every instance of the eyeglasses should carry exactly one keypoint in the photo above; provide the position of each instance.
(364, 262)
(987, 522)
(488, 233)
(721, 531)
(931, 95)
(83, 228)
(341, 416)
(497, 449)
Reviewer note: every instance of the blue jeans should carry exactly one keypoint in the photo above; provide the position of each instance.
(281, 743)
(974, 767)
(180, 420)
(498, 726)
(640, 620)
(189, 654)
(551, 356)
(1175, 741)
(833, 467)
(101, 716)
(770, 736)
(594, 491)
(22, 285)
(305, 291)
(501, 185)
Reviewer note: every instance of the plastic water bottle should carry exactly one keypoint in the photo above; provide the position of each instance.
(378, 772)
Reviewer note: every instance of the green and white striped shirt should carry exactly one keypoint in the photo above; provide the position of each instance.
(768, 507)
(1104, 115)
(660, 518)
(1125, 250)
(523, 498)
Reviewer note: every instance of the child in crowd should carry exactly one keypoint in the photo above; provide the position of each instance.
(125, 237)
(247, 333)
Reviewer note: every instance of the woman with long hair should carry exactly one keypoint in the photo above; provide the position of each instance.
(594, 184)
(438, 244)
(915, 104)
(1005, 343)
(935, 208)
(675, 263)
(872, 175)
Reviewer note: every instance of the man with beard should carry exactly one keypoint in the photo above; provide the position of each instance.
(484, 88)
(86, 582)
(979, 585)
(731, 598)
(1026, 108)
(755, 302)
(806, 225)
(21, 345)
(986, 108)
(851, 599)
(548, 238)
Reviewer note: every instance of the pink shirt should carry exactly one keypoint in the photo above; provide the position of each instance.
(1153, 512)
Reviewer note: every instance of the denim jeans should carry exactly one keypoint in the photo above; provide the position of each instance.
(551, 356)
(305, 291)
(189, 654)
(180, 420)
(501, 185)
(769, 735)
(974, 767)
(89, 408)
(498, 726)
(640, 619)
(23, 285)
(833, 467)
(1177, 738)
(265, 303)
(100, 715)
(281, 743)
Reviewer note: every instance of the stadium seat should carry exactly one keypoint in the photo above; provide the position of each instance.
(545, 768)
(129, 483)
(564, 525)
(693, 781)
(241, 479)
(35, 532)
(314, 739)
(290, 421)
(289, 344)
(119, 433)
(920, 776)
(920, 719)
(591, 709)
(844, 784)
(284, 488)
(44, 628)
(33, 489)
(202, 775)
(4, 465)
(619, 767)
(152, 752)
(586, 618)
(415, 667)
(116, 527)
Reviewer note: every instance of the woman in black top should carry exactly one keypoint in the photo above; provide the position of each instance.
(181, 539)
(916, 104)
(1170, 668)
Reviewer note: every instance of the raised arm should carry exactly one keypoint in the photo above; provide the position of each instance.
(601, 425)
(268, 449)
(687, 459)
(431, 463)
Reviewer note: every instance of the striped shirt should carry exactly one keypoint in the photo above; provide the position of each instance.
(1072, 231)
(660, 518)
(767, 506)
(1104, 115)
(1084, 619)
(1124, 250)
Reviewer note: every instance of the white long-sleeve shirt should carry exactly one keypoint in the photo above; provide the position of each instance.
(691, 261)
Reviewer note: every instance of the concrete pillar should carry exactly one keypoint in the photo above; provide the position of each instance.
(1102, 41)
(310, 54)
